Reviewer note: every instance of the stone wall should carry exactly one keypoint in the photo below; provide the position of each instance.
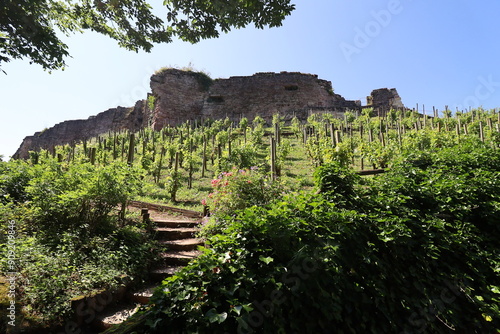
(383, 100)
(181, 96)
(66, 132)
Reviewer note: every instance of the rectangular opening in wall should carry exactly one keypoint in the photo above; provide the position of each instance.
(215, 99)
(291, 87)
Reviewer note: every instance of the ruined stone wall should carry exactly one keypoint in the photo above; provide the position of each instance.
(181, 96)
(384, 99)
(266, 94)
(67, 132)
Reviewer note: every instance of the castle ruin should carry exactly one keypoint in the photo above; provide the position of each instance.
(180, 96)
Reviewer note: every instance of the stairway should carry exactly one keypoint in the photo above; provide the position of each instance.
(177, 234)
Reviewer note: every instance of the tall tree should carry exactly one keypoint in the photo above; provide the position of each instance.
(30, 28)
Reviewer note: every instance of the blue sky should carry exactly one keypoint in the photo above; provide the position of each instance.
(435, 53)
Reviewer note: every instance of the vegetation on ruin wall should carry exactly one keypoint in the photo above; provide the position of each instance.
(201, 76)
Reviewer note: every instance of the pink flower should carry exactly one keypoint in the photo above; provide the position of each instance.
(203, 202)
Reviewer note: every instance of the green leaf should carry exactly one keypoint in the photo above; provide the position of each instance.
(213, 316)
(237, 309)
(266, 260)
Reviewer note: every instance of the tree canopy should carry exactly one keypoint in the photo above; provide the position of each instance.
(30, 28)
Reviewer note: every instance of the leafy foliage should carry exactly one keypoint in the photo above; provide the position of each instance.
(240, 189)
(81, 195)
(68, 242)
(412, 252)
(28, 28)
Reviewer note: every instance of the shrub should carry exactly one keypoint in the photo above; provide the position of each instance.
(80, 195)
(240, 189)
(412, 253)
(14, 178)
(67, 242)
(237, 190)
(336, 182)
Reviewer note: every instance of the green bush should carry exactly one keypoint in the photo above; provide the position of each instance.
(237, 190)
(79, 195)
(49, 276)
(14, 178)
(336, 182)
(69, 238)
(240, 189)
(411, 253)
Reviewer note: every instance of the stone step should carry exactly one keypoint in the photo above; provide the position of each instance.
(168, 233)
(114, 315)
(143, 295)
(177, 257)
(182, 244)
(176, 223)
(159, 273)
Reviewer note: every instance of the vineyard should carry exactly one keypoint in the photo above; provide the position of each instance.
(299, 241)
(176, 158)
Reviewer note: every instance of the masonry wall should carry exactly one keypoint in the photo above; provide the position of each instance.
(67, 132)
(181, 96)
(384, 99)
(266, 94)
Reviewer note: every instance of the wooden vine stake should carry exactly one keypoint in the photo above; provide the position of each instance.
(204, 157)
(123, 148)
(273, 158)
(332, 134)
(424, 115)
(92, 155)
(277, 133)
(400, 140)
(338, 138)
(115, 154)
(160, 162)
(191, 170)
(130, 156)
(173, 191)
